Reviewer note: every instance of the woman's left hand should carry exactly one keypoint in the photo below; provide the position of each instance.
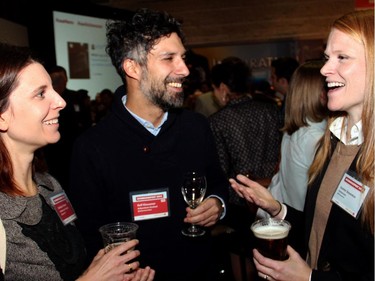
(292, 269)
(116, 265)
(142, 274)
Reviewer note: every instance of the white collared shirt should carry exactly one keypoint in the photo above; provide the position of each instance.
(148, 125)
(356, 134)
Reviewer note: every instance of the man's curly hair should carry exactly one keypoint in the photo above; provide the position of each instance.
(134, 38)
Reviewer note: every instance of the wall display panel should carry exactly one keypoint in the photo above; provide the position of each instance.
(80, 43)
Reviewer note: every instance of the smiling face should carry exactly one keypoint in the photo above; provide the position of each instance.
(161, 81)
(31, 119)
(345, 72)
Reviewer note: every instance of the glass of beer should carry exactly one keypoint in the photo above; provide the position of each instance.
(271, 236)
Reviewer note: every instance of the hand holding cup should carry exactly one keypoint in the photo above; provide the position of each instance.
(116, 233)
(272, 237)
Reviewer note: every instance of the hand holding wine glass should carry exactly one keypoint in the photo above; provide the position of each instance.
(193, 189)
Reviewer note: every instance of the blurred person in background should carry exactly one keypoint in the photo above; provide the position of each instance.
(282, 70)
(74, 119)
(210, 102)
(102, 105)
(247, 140)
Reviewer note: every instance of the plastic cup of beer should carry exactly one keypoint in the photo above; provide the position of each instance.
(271, 237)
(113, 234)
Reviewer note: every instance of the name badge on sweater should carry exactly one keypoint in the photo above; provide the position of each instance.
(350, 194)
(150, 204)
(63, 207)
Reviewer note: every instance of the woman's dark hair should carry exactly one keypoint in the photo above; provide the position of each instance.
(13, 60)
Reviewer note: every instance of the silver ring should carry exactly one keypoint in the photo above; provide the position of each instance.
(265, 277)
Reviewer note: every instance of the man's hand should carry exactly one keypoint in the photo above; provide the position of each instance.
(206, 214)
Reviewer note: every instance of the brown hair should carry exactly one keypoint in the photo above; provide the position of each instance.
(360, 26)
(12, 60)
(303, 101)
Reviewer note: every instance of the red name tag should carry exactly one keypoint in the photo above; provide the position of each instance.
(150, 204)
(63, 208)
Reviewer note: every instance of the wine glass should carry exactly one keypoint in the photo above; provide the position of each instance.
(193, 189)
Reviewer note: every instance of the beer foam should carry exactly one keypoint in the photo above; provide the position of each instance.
(271, 232)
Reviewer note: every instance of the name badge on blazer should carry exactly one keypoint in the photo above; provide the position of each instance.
(63, 207)
(350, 194)
(150, 204)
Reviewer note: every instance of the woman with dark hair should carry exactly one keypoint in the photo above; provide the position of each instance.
(42, 242)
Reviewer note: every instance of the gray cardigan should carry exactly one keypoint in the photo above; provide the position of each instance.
(34, 234)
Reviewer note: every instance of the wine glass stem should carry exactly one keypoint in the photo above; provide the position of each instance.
(193, 228)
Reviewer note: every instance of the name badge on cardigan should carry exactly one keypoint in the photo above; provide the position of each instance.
(63, 207)
(350, 194)
(150, 204)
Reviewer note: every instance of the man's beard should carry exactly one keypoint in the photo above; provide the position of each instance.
(156, 91)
